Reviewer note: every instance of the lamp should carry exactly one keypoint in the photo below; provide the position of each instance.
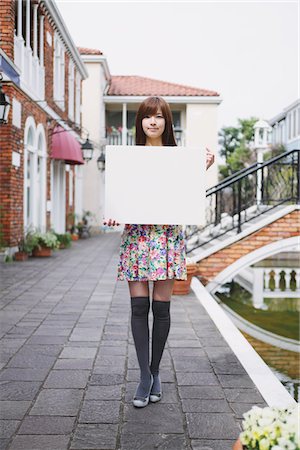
(101, 162)
(87, 150)
(4, 104)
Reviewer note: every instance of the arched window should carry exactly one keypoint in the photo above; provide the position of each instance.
(29, 172)
(34, 175)
(41, 179)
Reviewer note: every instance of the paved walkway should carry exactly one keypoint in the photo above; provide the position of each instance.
(69, 368)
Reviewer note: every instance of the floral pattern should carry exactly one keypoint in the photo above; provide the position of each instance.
(152, 252)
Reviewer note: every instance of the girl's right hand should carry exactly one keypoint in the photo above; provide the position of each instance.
(110, 223)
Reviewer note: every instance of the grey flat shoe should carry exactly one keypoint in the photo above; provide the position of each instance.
(155, 397)
(141, 402)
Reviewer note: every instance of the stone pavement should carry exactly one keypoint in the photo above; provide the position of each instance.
(69, 368)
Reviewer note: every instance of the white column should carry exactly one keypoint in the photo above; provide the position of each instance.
(35, 8)
(260, 160)
(258, 287)
(124, 125)
(42, 40)
(20, 11)
(27, 23)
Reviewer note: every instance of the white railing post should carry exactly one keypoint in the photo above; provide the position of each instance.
(35, 7)
(258, 287)
(288, 279)
(28, 23)
(42, 40)
(267, 276)
(20, 11)
(124, 124)
(297, 276)
(277, 279)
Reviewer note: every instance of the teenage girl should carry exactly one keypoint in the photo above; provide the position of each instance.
(152, 253)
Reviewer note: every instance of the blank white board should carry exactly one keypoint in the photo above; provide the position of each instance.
(155, 185)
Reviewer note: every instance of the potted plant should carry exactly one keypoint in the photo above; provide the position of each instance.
(64, 240)
(182, 287)
(84, 226)
(25, 245)
(270, 428)
(71, 227)
(44, 243)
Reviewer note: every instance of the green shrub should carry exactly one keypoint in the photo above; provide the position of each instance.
(47, 239)
(64, 239)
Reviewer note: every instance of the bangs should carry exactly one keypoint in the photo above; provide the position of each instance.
(151, 106)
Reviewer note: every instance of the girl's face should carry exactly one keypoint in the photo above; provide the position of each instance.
(154, 126)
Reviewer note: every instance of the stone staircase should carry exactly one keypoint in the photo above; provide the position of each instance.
(214, 238)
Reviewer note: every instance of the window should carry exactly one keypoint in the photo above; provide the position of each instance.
(71, 187)
(77, 99)
(294, 124)
(289, 118)
(71, 90)
(59, 73)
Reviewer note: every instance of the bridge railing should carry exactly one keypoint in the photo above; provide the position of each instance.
(246, 195)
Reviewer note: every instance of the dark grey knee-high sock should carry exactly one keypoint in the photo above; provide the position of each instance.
(140, 331)
(160, 331)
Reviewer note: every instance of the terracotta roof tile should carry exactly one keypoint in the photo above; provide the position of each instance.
(136, 85)
(89, 51)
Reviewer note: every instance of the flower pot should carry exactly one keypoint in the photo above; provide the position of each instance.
(74, 237)
(238, 445)
(42, 251)
(182, 287)
(21, 256)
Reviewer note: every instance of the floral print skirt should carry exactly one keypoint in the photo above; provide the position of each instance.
(152, 252)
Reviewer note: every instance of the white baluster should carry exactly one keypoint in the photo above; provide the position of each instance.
(288, 279)
(297, 280)
(267, 275)
(277, 279)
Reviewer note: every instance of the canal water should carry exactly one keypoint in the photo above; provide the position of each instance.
(267, 295)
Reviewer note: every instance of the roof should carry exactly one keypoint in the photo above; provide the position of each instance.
(89, 51)
(130, 85)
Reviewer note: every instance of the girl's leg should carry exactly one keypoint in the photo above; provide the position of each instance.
(162, 292)
(140, 305)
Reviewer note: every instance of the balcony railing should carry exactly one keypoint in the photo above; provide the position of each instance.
(115, 137)
(32, 72)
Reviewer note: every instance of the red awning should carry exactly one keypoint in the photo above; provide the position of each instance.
(65, 147)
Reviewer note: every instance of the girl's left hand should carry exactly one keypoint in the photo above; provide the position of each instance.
(210, 158)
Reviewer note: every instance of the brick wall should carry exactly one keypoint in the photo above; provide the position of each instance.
(12, 138)
(7, 25)
(287, 226)
(284, 361)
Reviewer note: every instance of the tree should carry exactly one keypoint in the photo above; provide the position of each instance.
(236, 147)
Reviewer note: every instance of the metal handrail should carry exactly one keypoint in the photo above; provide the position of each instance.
(247, 171)
(266, 185)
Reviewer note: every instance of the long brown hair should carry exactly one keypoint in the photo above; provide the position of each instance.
(149, 107)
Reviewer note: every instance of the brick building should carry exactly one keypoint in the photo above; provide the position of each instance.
(40, 145)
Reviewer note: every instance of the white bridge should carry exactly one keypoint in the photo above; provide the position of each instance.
(270, 282)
